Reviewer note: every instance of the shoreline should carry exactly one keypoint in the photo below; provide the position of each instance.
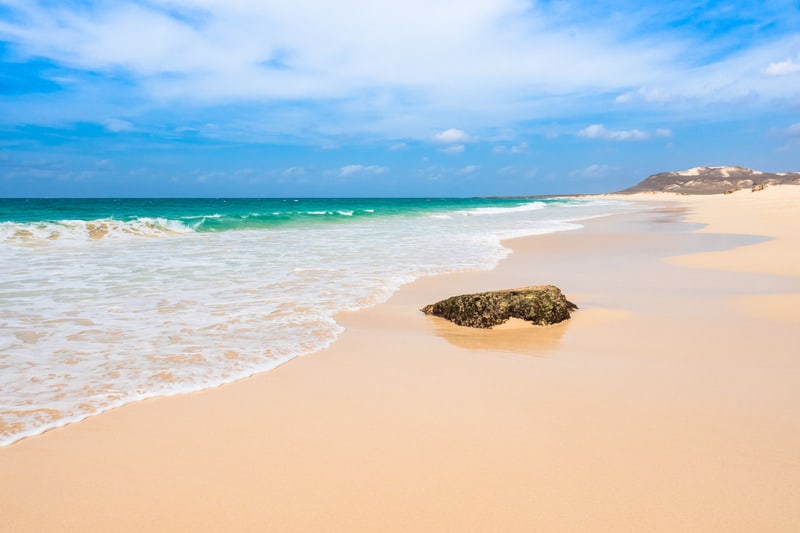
(410, 423)
(193, 387)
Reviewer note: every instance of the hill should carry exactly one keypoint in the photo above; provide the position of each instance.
(711, 180)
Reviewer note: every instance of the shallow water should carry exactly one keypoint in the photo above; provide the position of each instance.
(104, 302)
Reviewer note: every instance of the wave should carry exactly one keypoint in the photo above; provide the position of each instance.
(170, 223)
(90, 327)
(64, 231)
(76, 231)
(533, 206)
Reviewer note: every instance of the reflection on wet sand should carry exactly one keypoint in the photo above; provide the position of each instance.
(515, 335)
(519, 336)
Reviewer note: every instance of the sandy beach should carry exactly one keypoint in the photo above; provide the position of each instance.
(669, 402)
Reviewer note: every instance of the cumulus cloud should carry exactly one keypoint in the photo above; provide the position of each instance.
(397, 147)
(469, 169)
(399, 69)
(212, 50)
(349, 170)
(783, 68)
(663, 132)
(451, 136)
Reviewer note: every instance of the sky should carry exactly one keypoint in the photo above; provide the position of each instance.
(306, 98)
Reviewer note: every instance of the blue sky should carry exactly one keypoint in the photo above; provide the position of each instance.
(389, 98)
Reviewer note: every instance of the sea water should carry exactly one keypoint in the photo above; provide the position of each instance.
(104, 302)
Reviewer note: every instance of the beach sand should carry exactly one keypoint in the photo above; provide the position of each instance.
(670, 402)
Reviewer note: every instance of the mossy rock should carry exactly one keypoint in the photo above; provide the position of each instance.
(542, 305)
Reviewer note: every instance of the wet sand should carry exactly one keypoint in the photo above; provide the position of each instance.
(669, 402)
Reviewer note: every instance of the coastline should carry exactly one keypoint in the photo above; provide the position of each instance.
(665, 403)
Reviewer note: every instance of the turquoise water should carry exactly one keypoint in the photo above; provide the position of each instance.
(104, 302)
(205, 215)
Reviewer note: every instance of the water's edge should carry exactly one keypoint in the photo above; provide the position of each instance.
(336, 329)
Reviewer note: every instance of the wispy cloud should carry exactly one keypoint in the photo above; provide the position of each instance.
(481, 63)
(117, 125)
(783, 68)
(520, 148)
(598, 131)
(648, 95)
(294, 171)
(424, 76)
(349, 170)
(592, 171)
(453, 149)
(791, 131)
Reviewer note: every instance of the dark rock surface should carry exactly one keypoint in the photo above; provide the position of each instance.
(541, 305)
(712, 180)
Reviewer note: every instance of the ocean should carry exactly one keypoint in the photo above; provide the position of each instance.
(107, 301)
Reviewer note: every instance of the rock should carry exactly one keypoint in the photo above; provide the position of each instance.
(541, 305)
(712, 180)
(759, 187)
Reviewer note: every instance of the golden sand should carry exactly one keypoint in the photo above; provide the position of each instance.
(670, 402)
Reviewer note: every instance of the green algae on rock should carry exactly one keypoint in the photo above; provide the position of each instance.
(541, 305)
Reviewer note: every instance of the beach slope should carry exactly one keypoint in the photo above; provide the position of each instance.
(669, 402)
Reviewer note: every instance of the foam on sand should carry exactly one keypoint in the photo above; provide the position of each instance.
(663, 391)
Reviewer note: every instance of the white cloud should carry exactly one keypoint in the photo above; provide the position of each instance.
(451, 136)
(294, 171)
(453, 149)
(469, 169)
(598, 131)
(783, 68)
(520, 148)
(650, 95)
(397, 147)
(625, 98)
(507, 171)
(413, 64)
(592, 171)
(791, 131)
(116, 125)
(349, 170)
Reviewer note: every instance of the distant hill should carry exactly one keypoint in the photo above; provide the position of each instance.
(711, 180)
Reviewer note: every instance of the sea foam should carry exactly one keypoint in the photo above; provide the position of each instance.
(151, 306)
